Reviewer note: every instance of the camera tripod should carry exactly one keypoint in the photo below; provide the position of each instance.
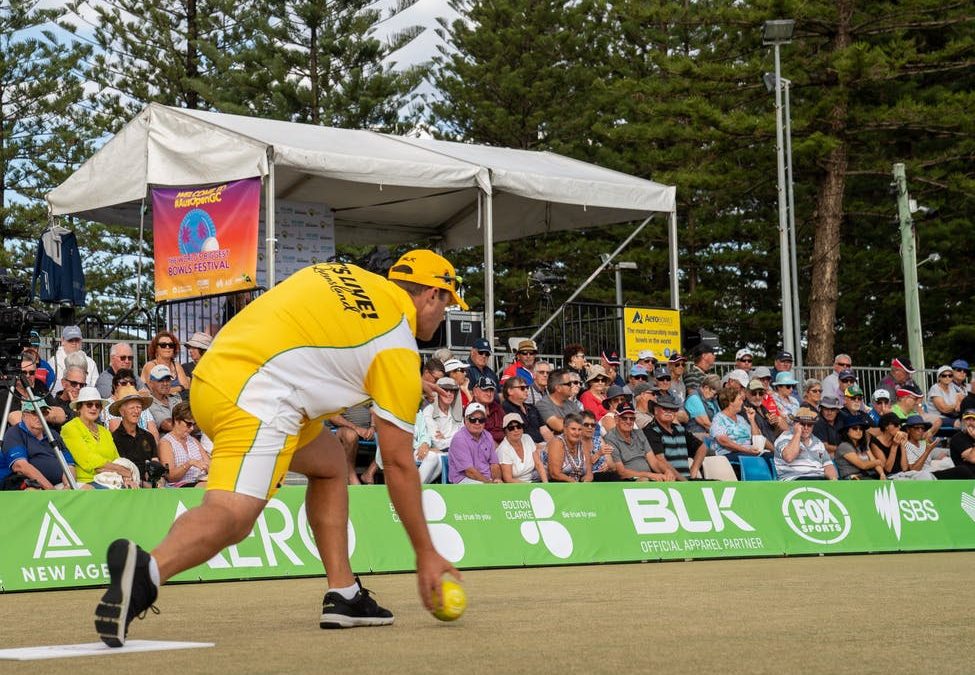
(10, 385)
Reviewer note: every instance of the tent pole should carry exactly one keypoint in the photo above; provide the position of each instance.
(672, 256)
(489, 268)
(142, 231)
(269, 218)
(592, 276)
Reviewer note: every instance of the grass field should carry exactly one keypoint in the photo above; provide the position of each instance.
(880, 613)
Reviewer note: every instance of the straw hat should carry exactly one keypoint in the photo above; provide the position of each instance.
(127, 394)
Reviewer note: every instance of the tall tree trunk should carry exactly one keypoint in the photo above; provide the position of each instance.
(192, 68)
(824, 276)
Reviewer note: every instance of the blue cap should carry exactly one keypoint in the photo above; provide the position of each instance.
(846, 375)
(960, 364)
(784, 377)
(638, 370)
(482, 345)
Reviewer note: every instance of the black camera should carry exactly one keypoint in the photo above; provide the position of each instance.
(18, 319)
(155, 471)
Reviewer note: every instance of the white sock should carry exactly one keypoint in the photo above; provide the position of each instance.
(154, 571)
(347, 592)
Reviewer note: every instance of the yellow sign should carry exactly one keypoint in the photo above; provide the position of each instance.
(654, 329)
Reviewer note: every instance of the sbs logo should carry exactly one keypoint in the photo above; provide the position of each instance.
(554, 535)
(816, 516)
(893, 510)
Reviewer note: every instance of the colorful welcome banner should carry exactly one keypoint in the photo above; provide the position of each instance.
(205, 239)
(58, 539)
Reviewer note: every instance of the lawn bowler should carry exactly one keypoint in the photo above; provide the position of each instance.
(352, 336)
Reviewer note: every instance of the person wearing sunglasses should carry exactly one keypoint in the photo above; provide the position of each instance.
(563, 385)
(679, 453)
(568, 461)
(831, 383)
(514, 393)
(120, 356)
(53, 414)
(160, 386)
(854, 458)
(328, 337)
(164, 351)
(524, 362)
(478, 363)
(539, 388)
(188, 462)
(472, 457)
(92, 444)
(910, 402)
(71, 385)
(597, 385)
(799, 455)
(71, 343)
(519, 458)
(945, 396)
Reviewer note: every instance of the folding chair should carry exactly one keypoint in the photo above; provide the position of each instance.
(718, 467)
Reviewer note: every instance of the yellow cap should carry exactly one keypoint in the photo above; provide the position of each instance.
(422, 266)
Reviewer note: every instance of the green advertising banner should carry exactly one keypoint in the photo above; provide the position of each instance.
(58, 539)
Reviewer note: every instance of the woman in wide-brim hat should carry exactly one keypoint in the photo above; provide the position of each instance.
(854, 458)
(91, 444)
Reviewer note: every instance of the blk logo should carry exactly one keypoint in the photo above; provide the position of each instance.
(659, 511)
(554, 535)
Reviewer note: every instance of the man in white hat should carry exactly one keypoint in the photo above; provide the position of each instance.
(328, 337)
(472, 458)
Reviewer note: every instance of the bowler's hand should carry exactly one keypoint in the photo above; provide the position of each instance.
(430, 568)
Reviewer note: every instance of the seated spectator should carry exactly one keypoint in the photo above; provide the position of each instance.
(801, 456)
(124, 378)
(769, 423)
(120, 357)
(920, 447)
(827, 427)
(471, 454)
(457, 371)
(852, 402)
(517, 455)
(72, 382)
(702, 406)
(524, 362)
(831, 383)
(737, 379)
(910, 402)
(645, 395)
(881, 406)
(889, 442)
(945, 397)
(783, 387)
(609, 359)
(901, 370)
(196, 347)
(854, 459)
(600, 454)
(962, 444)
(47, 370)
(592, 398)
(163, 399)
(162, 351)
(646, 359)
(445, 418)
(188, 462)
(637, 375)
(615, 397)
(515, 395)
(568, 461)
(354, 424)
(427, 459)
(812, 394)
(679, 453)
(783, 363)
(633, 457)
(443, 355)
(71, 343)
(694, 373)
(28, 456)
(675, 365)
(744, 358)
(539, 387)
(91, 444)
(132, 441)
(53, 415)
(960, 373)
(478, 367)
(559, 402)
(432, 370)
(485, 393)
(732, 432)
(846, 378)
(574, 357)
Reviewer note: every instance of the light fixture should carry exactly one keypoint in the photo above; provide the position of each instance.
(778, 31)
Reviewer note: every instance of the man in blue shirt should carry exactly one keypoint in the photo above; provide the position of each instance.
(478, 363)
(27, 452)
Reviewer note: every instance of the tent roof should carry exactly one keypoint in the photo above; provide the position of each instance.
(384, 189)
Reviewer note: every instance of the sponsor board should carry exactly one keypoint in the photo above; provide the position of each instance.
(58, 539)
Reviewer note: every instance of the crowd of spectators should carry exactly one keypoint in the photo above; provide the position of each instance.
(593, 419)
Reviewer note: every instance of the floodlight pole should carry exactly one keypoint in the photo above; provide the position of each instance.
(784, 260)
(789, 184)
(912, 304)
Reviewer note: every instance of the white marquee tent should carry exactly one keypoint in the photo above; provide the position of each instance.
(383, 188)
